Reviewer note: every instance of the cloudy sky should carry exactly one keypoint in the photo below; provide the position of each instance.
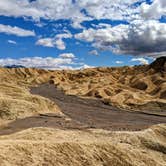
(73, 34)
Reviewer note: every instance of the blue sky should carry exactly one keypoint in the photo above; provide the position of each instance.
(78, 34)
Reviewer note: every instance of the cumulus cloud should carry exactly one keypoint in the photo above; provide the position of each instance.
(101, 25)
(57, 41)
(47, 9)
(73, 10)
(39, 62)
(63, 61)
(64, 35)
(85, 67)
(15, 31)
(94, 52)
(46, 42)
(142, 35)
(60, 44)
(12, 42)
(67, 9)
(137, 38)
(51, 42)
(19, 8)
(142, 61)
(109, 9)
(155, 10)
(119, 62)
(67, 55)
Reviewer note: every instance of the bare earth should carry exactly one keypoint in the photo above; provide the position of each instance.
(87, 113)
(73, 127)
(82, 114)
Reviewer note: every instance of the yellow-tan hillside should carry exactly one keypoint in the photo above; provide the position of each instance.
(136, 88)
(15, 99)
(46, 146)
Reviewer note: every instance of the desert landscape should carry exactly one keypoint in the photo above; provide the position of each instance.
(82, 82)
(84, 117)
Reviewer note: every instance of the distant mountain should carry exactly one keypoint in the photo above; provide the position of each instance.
(14, 66)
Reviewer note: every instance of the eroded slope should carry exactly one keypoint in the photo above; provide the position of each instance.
(137, 88)
(46, 146)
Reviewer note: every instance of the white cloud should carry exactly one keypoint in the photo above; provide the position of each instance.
(19, 8)
(60, 44)
(94, 9)
(141, 60)
(64, 35)
(57, 41)
(46, 42)
(102, 25)
(12, 42)
(63, 61)
(52, 42)
(66, 9)
(15, 31)
(138, 38)
(119, 62)
(38, 62)
(142, 36)
(67, 55)
(154, 10)
(85, 67)
(94, 52)
(47, 9)
(87, 35)
(108, 9)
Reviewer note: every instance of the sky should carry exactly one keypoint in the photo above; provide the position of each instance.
(75, 34)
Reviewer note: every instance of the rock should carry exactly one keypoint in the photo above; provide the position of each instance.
(159, 64)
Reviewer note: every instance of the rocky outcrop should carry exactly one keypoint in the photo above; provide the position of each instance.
(159, 64)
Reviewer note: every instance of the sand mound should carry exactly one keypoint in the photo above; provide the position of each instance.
(46, 146)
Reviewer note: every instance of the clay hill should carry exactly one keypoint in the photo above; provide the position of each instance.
(134, 88)
(97, 116)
